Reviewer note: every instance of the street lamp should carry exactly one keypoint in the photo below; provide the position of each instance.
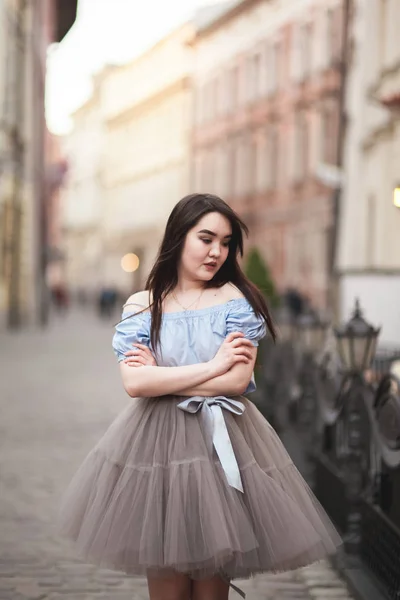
(311, 332)
(356, 342)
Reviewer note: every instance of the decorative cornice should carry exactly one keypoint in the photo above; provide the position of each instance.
(225, 17)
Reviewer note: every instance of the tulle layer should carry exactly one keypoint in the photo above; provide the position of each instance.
(151, 498)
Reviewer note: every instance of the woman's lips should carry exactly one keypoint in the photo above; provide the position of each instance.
(210, 266)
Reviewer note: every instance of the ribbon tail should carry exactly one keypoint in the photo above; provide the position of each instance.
(237, 590)
(208, 419)
(234, 587)
(224, 449)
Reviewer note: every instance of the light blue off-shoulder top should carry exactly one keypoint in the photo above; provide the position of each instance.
(191, 336)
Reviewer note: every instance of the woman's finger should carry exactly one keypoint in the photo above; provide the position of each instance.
(133, 363)
(136, 353)
(243, 352)
(242, 358)
(241, 342)
(146, 351)
(232, 336)
(144, 348)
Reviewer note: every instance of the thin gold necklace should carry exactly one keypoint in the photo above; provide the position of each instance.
(190, 305)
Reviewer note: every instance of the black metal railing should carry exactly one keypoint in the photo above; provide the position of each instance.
(349, 429)
(380, 547)
(330, 489)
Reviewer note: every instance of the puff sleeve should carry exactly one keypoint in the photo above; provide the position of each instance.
(132, 329)
(241, 317)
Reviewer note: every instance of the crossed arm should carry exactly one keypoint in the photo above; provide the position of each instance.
(203, 379)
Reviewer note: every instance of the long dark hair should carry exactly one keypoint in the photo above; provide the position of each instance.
(164, 274)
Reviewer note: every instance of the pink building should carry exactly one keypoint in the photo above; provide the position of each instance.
(266, 120)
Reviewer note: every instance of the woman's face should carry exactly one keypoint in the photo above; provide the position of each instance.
(206, 247)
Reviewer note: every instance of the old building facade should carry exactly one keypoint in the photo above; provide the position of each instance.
(146, 107)
(26, 30)
(368, 258)
(83, 198)
(267, 77)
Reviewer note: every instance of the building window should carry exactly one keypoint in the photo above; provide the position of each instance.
(306, 49)
(217, 97)
(209, 107)
(204, 104)
(232, 88)
(253, 76)
(295, 54)
(224, 92)
(260, 162)
(197, 171)
(382, 31)
(235, 162)
(251, 160)
(371, 231)
(273, 157)
(302, 147)
(208, 169)
(241, 167)
(221, 171)
(231, 166)
(329, 135)
(273, 63)
(257, 63)
(199, 106)
(213, 98)
(330, 37)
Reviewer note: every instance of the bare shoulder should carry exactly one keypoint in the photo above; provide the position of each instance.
(231, 292)
(140, 300)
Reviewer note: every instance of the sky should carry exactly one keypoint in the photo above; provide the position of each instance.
(106, 31)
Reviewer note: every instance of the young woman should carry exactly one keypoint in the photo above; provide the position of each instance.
(190, 485)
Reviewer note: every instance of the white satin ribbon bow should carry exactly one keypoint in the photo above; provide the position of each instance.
(211, 411)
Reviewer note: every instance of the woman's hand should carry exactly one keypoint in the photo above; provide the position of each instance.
(234, 349)
(141, 357)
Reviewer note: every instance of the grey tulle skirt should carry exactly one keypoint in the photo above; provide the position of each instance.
(152, 498)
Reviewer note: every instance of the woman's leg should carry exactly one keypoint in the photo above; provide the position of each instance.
(172, 587)
(210, 589)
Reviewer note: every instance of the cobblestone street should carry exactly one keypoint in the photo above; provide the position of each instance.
(59, 390)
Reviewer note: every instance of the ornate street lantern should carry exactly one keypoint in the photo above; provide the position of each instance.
(356, 342)
(311, 331)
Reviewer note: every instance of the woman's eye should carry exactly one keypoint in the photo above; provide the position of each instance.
(226, 245)
(206, 241)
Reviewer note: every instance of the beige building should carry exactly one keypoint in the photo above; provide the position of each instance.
(83, 198)
(147, 112)
(26, 30)
(368, 259)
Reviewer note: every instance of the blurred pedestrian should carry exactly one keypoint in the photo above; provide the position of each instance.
(107, 301)
(60, 298)
(295, 302)
(190, 485)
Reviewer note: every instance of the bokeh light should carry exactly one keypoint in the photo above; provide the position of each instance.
(130, 262)
(396, 196)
